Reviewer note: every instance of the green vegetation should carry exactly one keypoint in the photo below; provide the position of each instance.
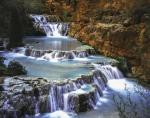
(65, 16)
(34, 6)
(93, 37)
(3, 69)
(84, 47)
(122, 65)
(14, 68)
(13, 18)
(16, 29)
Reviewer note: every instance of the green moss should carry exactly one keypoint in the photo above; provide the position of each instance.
(3, 69)
(93, 37)
(65, 16)
(15, 68)
(122, 65)
(84, 47)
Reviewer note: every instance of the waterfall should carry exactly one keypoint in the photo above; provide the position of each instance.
(37, 108)
(15, 114)
(65, 55)
(41, 23)
(55, 54)
(7, 106)
(56, 95)
(110, 72)
(68, 95)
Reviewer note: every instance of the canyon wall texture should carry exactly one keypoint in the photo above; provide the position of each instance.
(113, 27)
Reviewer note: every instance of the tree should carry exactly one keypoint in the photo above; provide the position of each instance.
(16, 29)
(13, 18)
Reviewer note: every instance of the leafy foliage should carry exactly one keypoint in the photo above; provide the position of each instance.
(15, 68)
(122, 64)
(34, 6)
(13, 18)
(65, 16)
(3, 68)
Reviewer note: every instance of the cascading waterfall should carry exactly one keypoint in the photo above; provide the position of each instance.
(37, 108)
(56, 54)
(66, 96)
(56, 95)
(49, 28)
(60, 55)
(109, 71)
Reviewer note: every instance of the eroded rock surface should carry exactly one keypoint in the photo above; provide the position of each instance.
(114, 28)
(26, 95)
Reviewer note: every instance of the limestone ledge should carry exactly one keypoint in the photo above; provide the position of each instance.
(20, 95)
(116, 40)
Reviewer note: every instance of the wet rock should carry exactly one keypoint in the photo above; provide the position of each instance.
(43, 104)
(36, 92)
(36, 95)
(80, 100)
(28, 51)
(69, 55)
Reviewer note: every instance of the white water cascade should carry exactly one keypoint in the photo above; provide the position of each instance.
(55, 54)
(57, 29)
(68, 95)
(109, 71)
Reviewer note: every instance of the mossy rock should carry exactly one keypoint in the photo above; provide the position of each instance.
(123, 65)
(84, 48)
(15, 68)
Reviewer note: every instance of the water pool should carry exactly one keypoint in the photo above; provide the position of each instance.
(52, 43)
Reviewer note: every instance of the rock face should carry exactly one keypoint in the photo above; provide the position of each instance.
(114, 28)
(19, 96)
(116, 40)
(22, 96)
(54, 54)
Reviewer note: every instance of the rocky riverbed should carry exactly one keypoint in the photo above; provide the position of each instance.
(26, 95)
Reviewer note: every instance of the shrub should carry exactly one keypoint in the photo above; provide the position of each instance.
(15, 68)
(122, 65)
(65, 16)
(2, 60)
(3, 68)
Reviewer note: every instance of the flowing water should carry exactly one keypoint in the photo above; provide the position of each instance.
(52, 43)
(50, 29)
(57, 58)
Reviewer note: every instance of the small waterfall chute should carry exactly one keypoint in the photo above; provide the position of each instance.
(57, 29)
(37, 111)
(110, 72)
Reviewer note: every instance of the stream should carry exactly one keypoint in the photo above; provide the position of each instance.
(81, 84)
